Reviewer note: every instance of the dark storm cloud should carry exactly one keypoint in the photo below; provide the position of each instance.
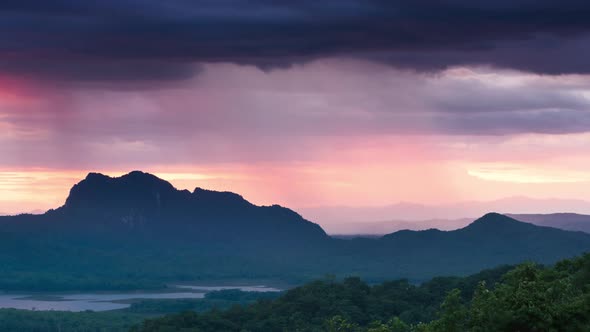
(162, 40)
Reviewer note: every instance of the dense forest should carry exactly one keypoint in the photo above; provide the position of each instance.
(528, 297)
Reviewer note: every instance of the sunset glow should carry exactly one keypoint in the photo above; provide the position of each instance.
(301, 139)
(331, 129)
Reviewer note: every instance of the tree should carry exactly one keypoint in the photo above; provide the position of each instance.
(453, 314)
(339, 324)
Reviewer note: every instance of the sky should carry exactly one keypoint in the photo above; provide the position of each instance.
(300, 103)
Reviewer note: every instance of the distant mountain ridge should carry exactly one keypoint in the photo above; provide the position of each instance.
(566, 221)
(342, 219)
(137, 230)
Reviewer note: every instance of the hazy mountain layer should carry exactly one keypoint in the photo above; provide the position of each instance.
(567, 221)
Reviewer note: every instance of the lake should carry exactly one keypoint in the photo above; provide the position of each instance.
(110, 301)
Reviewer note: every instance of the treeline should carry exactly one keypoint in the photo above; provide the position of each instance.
(13, 320)
(528, 297)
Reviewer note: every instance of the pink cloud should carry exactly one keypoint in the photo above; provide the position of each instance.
(329, 132)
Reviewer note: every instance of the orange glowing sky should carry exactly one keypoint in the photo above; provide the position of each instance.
(357, 176)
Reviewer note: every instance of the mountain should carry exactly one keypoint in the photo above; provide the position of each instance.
(138, 231)
(567, 221)
(142, 205)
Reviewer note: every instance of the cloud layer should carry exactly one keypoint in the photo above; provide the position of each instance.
(131, 40)
(233, 113)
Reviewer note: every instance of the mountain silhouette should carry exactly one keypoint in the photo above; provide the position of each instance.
(146, 206)
(493, 239)
(137, 230)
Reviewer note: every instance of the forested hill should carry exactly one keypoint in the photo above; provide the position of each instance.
(492, 240)
(138, 231)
